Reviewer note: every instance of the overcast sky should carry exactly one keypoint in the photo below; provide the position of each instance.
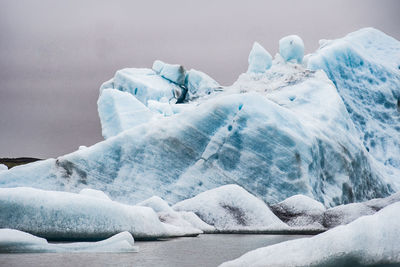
(54, 55)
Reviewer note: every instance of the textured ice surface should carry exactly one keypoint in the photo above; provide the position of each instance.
(167, 215)
(94, 193)
(277, 134)
(173, 72)
(368, 240)
(120, 111)
(365, 68)
(231, 208)
(144, 84)
(68, 216)
(3, 167)
(300, 211)
(259, 59)
(199, 84)
(14, 241)
(291, 48)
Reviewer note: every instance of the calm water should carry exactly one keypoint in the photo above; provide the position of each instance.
(204, 250)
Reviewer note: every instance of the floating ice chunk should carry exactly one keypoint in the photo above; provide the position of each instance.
(259, 59)
(300, 211)
(14, 241)
(199, 84)
(196, 222)
(345, 214)
(120, 111)
(231, 208)
(158, 65)
(68, 216)
(291, 48)
(370, 240)
(94, 193)
(82, 147)
(3, 167)
(173, 72)
(167, 215)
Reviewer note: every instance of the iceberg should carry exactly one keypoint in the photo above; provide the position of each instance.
(364, 66)
(301, 212)
(369, 240)
(259, 59)
(284, 132)
(67, 216)
(120, 111)
(199, 84)
(168, 216)
(230, 208)
(291, 48)
(94, 193)
(3, 167)
(14, 241)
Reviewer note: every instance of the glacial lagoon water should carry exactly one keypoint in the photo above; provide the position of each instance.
(204, 250)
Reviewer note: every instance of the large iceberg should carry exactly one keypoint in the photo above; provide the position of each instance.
(14, 241)
(364, 66)
(370, 240)
(230, 208)
(286, 131)
(67, 216)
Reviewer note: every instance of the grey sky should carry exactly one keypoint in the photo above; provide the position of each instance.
(55, 54)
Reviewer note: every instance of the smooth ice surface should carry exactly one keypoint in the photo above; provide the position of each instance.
(14, 241)
(231, 208)
(173, 72)
(120, 111)
(3, 167)
(167, 215)
(291, 48)
(368, 240)
(199, 84)
(365, 68)
(69, 216)
(277, 134)
(300, 211)
(259, 59)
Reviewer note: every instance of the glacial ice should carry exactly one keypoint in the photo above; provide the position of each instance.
(14, 241)
(369, 240)
(167, 215)
(3, 167)
(291, 48)
(259, 59)
(281, 133)
(199, 84)
(120, 111)
(301, 212)
(172, 72)
(67, 216)
(230, 208)
(144, 84)
(364, 66)
(94, 193)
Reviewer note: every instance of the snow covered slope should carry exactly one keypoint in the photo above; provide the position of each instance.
(367, 241)
(279, 133)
